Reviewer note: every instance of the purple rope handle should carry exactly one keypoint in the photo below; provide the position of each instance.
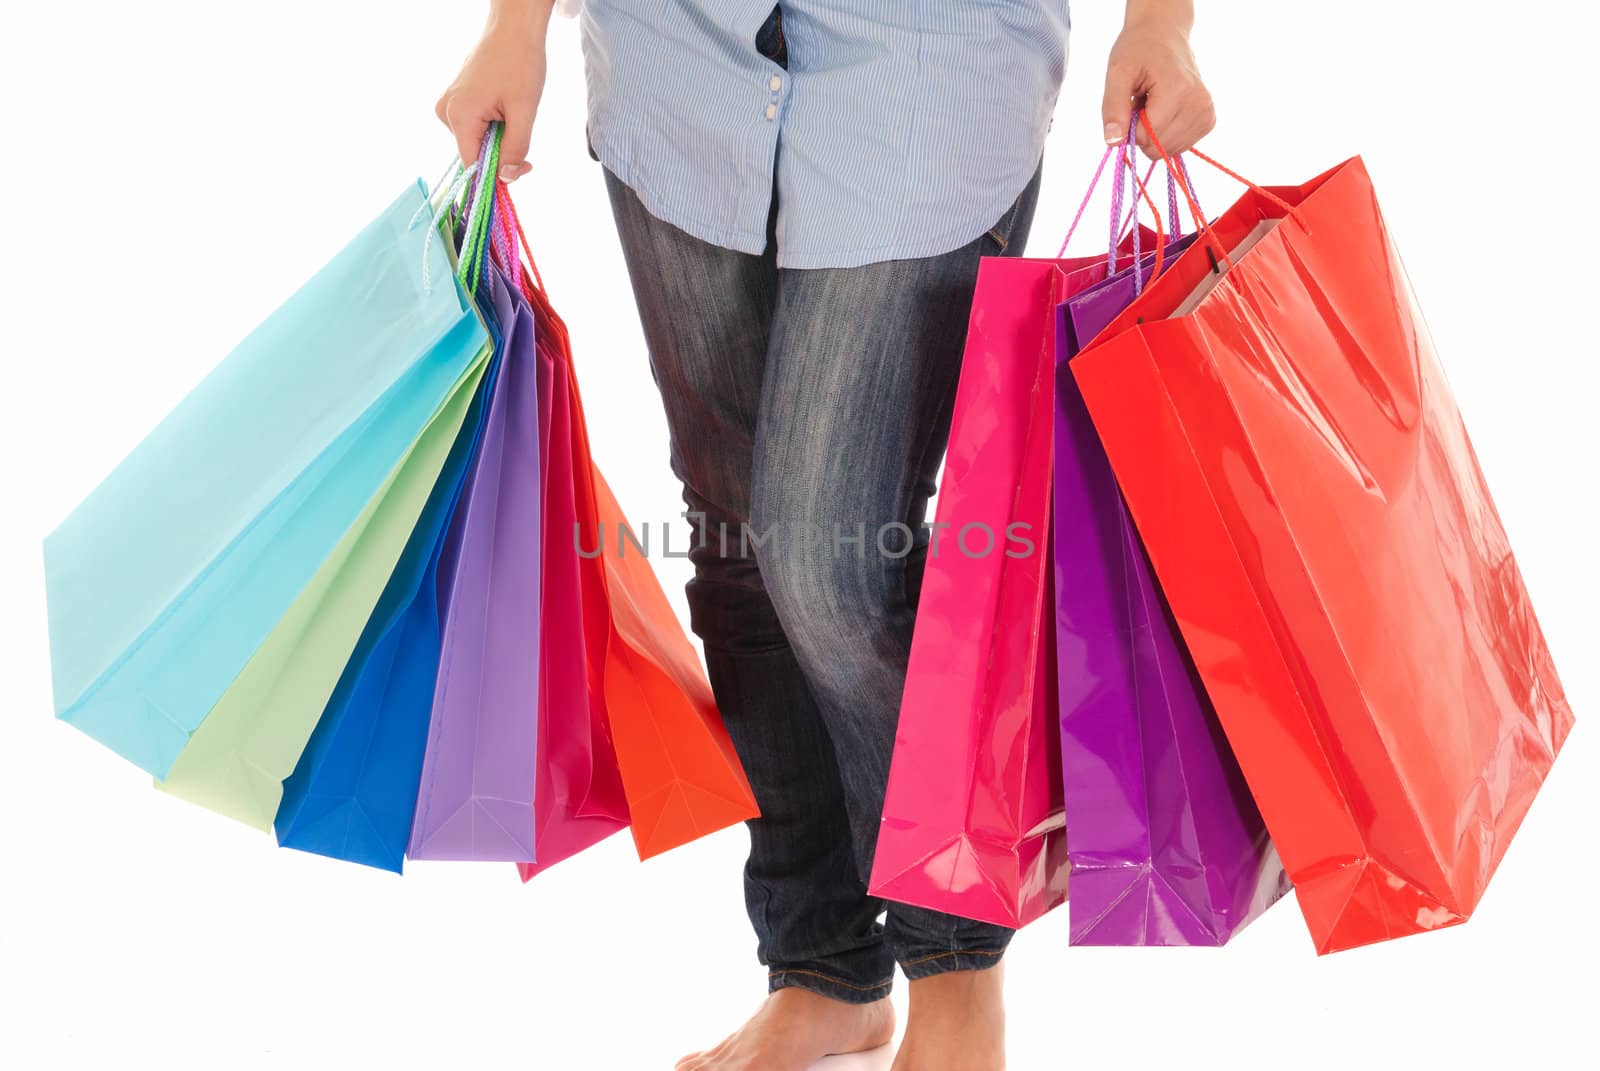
(1174, 218)
(483, 162)
(1174, 224)
(1125, 159)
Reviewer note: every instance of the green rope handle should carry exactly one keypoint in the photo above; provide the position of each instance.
(469, 266)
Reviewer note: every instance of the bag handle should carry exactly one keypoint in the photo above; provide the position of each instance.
(1119, 227)
(1214, 247)
(1125, 160)
(478, 210)
(511, 252)
(1174, 221)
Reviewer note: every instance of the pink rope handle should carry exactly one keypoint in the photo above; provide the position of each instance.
(1125, 158)
(1073, 226)
(505, 244)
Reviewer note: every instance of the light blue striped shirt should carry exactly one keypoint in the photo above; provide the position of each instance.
(900, 129)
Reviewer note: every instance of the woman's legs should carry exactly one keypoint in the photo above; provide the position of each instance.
(707, 316)
(814, 405)
(855, 413)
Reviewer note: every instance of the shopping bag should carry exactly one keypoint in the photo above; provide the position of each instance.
(972, 820)
(227, 510)
(476, 795)
(578, 800)
(354, 791)
(237, 759)
(1300, 476)
(1166, 845)
(678, 771)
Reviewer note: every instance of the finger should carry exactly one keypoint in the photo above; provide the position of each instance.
(1122, 82)
(514, 145)
(1164, 109)
(1186, 129)
(469, 126)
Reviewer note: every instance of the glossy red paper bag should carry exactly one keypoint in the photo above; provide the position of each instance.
(1301, 478)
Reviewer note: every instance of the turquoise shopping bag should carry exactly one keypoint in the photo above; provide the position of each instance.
(167, 578)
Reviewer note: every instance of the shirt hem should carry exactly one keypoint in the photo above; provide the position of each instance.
(945, 242)
(663, 209)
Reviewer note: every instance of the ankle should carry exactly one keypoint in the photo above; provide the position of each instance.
(966, 988)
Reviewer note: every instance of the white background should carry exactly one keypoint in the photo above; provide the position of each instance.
(176, 169)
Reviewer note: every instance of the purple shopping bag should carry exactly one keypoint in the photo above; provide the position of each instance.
(476, 799)
(1165, 842)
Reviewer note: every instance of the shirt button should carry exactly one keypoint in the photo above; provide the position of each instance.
(772, 111)
(775, 84)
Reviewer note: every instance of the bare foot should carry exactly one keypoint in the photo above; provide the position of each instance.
(957, 1022)
(793, 1030)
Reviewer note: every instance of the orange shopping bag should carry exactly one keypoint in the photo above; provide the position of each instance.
(653, 714)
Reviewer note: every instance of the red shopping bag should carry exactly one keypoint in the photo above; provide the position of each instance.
(578, 797)
(653, 718)
(1301, 478)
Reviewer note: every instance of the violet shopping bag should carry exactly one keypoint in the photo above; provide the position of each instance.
(578, 795)
(1166, 844)
(1313, 507)
(226, 511)
(476, 795)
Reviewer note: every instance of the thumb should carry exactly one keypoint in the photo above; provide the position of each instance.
(1116, 108)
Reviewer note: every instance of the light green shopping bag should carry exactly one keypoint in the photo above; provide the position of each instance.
(237, 760)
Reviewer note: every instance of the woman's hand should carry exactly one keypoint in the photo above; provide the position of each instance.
(1151, 65)
(502, 79)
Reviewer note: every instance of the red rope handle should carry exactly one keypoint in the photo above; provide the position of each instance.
(1188, 195)
(1183, 184)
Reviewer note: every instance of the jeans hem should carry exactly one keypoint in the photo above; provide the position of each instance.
(966, 959)
(828, 986)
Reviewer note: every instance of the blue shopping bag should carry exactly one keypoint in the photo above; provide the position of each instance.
(171, 573)
(353, 794)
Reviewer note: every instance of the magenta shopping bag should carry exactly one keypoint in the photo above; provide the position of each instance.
(476, 798)
(1165, 842)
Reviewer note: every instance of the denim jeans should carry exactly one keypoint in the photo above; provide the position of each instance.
(812, 401)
